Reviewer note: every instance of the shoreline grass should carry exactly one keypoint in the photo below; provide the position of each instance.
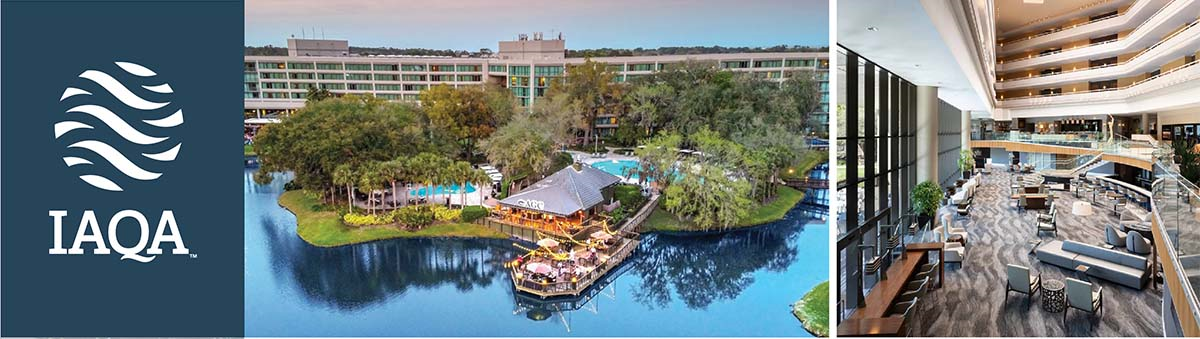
(661, 220)
(322, 227)
(813, 310)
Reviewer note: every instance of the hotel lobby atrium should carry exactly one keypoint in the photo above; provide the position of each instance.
(1018, 168)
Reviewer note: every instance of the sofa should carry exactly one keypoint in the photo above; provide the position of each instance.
(1115, 266)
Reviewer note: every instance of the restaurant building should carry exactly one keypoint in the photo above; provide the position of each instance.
(565, 204)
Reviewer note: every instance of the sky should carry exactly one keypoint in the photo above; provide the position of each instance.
(474, 24)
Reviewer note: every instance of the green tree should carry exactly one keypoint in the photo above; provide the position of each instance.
(467, 113)
(556, 115)
(591, 89)
(346, 130)
(708, 197)
(649, 105)
(314, 94)
(463, 172)
(518, 149)
(430, 170)
(658, 158)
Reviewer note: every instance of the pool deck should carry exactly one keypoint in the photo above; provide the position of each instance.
(472, 199)
(589, 159)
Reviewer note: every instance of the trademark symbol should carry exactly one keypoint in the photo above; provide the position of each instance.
(193, 255)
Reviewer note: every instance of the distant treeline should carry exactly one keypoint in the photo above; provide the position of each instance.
(571, 53)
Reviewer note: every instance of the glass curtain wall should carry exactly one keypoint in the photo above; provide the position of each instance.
(876, 146)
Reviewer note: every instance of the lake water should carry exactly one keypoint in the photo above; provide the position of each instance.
(732, 284)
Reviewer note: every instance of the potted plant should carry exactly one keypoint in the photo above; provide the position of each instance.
(1188, 158)
(926, 200)
(966, 162)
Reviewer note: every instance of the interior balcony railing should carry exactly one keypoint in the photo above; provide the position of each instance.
(1132, 59)
(1135, 30)
(1176, 221)
(1177, 70)
(1090, 142)
(1060, 29)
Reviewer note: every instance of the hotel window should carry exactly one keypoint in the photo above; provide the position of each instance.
(415, 87)
(547, 70)
(330, 76)
(300, 76)
(520, 91)
(662, 66)
(1105, 38)
(387, 87)
(358, 76)
(302, 85)
(250, 87)
(250, 77)
(768, 63)
(270, 65)
(518, 82)
(386, 67)
(298, 65)
(878, 149)
(616, 68)
(386, 77)
(735, 64)
(327, 66)
(298, 95)
(441, 78)
(358, 67)
(410, 97)
(441, 68)
(359, 87)
(641, 67)
(539, 92)
(413, 77)
(412, 68)
(518, 70)
(468, 68)
(274, 95)
(250, 95)
(618, 78)
(388, 96)
(274, 85)
(1102, 62)
(497, 68)
(272, 75)
(470, 78)
(249, 67)
(333, 86)
(799, 63)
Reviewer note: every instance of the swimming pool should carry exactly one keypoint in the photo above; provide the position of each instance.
(617, 167)
(452, 189)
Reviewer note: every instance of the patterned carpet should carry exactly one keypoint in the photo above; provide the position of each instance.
(972, 301)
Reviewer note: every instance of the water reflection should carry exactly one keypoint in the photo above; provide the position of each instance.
(694, 277)
(707, 268)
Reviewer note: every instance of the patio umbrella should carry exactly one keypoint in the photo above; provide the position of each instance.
(547, 242)
(601, 235)
(539, 268)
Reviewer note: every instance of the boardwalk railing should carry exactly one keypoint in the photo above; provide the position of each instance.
(524, 282)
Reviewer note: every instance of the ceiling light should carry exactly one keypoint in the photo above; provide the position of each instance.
(1039, 2)
(872, 28)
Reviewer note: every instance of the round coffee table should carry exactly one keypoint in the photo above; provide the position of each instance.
(1053, 296)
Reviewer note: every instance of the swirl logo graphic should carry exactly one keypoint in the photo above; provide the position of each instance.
(147, 115)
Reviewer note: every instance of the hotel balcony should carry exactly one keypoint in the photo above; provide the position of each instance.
(1131, 17)
(1157, 93)
(1166, 21)
(1186, 41)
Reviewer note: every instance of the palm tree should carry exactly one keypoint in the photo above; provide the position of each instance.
(344, 175)
(370, 179)
(462, 171)
(480, 178)
(391, 173)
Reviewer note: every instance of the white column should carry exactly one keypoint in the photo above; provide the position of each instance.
(927, 134)
(966, 129)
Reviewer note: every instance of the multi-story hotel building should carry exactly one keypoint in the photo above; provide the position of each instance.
(1074, 219)
(526, 66)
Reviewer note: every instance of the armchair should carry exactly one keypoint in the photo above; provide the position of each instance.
(1137, 244)
(1113, 237)
(1022, 281)
(1080, 296)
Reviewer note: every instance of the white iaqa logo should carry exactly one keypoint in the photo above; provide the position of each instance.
(139, 122)
(145, 114)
